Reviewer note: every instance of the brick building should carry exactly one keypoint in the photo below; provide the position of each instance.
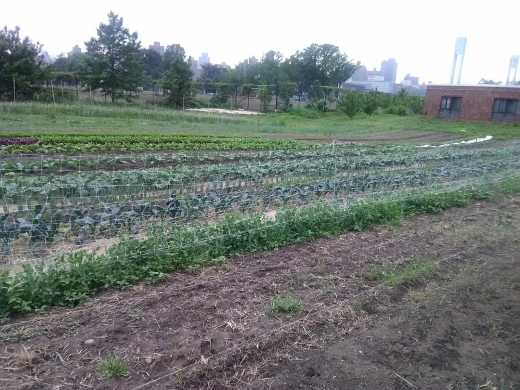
(473, 102)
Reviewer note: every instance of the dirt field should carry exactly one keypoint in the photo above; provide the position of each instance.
(458, 328)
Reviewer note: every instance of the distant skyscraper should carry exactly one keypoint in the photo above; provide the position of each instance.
(389, 70)
(76, 49)
(46, 58)
(361, 73)
(157, 47)
(204, 59)
(411, 79)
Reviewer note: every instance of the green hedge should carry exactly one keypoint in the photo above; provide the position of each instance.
(72, 277)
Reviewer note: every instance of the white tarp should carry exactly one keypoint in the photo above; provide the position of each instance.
(471, 141)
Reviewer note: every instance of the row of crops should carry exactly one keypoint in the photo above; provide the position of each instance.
(42, 211)
(154, 212)
(26, 164)
(81, 222)
(132, 142)
(111, 185)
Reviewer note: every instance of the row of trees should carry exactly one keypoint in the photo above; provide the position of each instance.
(114, 63)
(353, 102)
(117, 65)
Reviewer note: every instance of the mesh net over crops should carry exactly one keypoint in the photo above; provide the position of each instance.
(57, 204)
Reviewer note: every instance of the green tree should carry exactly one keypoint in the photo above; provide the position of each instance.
(246, 91)
(285, 91)
(350, 102)
(244, 73)
(371, 101)
(172, 54)
(265, 95)
(315, 90)
(71, 69)
(270, 67)
(293, 67)
(21, 66)
(151, 67)
(176, 79)
(113, 62)
(324, 63)
(210, 75)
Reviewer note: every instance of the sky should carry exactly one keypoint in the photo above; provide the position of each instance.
(419, 34)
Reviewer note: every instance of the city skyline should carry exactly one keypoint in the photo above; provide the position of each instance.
(421, 41)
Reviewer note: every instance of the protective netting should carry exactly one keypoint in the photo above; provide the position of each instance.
(57, 204)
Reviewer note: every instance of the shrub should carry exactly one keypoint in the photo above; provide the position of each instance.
(65, 95)
(350, 102)
(320, 105)
(306, 113)
(397, 110)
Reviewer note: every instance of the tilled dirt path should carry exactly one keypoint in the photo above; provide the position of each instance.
(215, 329)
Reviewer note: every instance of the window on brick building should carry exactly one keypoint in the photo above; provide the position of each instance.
(450, 105)
(505, 108)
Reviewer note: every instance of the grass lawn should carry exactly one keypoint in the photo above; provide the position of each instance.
(34, 117)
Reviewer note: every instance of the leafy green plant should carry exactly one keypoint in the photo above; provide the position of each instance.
(8, 232)
(71, 277)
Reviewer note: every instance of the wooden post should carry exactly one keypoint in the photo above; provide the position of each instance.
(52, 90)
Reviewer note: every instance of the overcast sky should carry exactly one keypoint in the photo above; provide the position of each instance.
(419, 34)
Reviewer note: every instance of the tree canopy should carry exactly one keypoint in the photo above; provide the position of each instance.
(21, 66)
(176, 78)
(116, 64)
(113, 62)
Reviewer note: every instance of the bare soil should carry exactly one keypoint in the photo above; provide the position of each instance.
(459, 329)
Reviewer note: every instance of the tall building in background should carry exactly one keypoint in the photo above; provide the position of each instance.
(373, 72)
(76, 50)
(46, 57)
(157, 47)
(410, 80)
(389, 70)
(360, 74)
(194, 66)
(203, 59)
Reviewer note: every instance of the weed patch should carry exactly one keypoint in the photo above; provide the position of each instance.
(111, 366)
(284, 304)
(403, 274)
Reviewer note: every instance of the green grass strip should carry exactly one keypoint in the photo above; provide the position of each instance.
(74, 276)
